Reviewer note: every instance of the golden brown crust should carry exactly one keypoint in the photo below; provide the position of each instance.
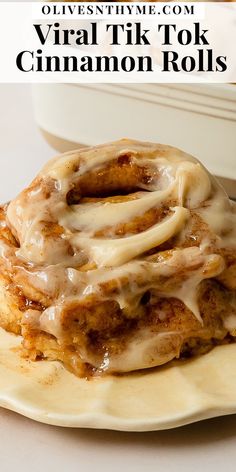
(103, 327)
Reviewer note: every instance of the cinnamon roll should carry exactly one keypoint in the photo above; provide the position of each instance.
(119, 257)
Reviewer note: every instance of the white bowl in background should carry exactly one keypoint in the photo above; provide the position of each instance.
(200, 119)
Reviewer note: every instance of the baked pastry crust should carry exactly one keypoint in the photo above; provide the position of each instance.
(119, 257)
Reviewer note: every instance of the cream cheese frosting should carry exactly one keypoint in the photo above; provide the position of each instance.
(86, 235)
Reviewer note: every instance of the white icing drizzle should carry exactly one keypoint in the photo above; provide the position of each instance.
(230, 322)
(115, 252)
(194, 184)
(220, 215)
(142, 352)
(92, 217)
(51, 260)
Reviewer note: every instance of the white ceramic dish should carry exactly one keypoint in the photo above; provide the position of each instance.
(201, 119)
(181, 393)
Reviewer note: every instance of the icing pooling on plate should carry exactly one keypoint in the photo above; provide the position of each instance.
(62, 255)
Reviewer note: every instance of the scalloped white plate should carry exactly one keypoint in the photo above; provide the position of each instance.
(167, 397)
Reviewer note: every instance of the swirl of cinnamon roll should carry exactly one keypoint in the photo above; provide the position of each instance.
(119, 257)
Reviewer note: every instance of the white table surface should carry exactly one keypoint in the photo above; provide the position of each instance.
(27, 446)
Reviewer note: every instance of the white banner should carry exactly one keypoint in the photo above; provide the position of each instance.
(124, 10)
(117, 42)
